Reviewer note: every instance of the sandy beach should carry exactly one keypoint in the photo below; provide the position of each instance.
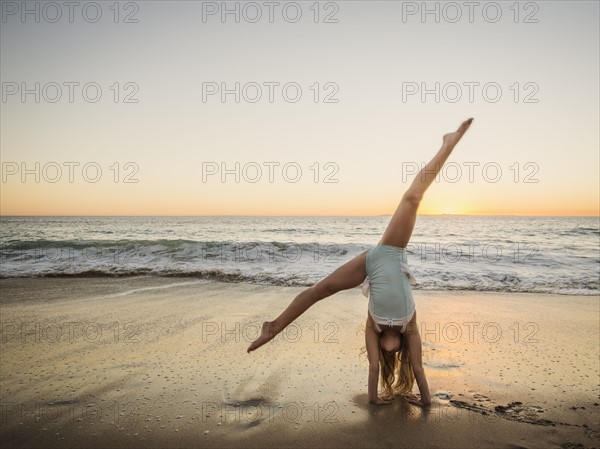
(162, 362)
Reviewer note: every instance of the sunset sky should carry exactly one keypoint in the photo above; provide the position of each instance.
(533, 148)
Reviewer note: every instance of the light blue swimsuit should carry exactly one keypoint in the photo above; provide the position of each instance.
(388, 286)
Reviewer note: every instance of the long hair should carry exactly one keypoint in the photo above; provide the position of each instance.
(395, 370)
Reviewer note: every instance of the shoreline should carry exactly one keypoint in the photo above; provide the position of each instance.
(157, 362)
(194, 278)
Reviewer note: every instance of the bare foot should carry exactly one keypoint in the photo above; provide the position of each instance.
(266, 334)
(451, 139)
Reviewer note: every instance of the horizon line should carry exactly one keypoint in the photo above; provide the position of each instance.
(307, 215)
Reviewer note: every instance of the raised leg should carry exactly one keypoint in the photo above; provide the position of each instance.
(401, 225)
(349, 275)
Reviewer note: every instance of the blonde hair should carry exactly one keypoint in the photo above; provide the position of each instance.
(395, 369)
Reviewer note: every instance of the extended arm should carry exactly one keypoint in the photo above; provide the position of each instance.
(372, 343)
(416, 361)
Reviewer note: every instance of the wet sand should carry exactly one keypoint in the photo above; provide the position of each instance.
(162, 362)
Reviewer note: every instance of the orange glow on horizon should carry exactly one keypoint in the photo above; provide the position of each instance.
(35, 200)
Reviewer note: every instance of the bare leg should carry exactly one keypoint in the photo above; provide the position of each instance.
(349, 275)
(353, 273)
(401, 225)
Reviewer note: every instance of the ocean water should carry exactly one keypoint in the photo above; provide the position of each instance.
(515, 254)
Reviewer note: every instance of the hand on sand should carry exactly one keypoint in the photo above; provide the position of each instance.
(416, 400)
(451, 139)
(266, 335)
(382, 400)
